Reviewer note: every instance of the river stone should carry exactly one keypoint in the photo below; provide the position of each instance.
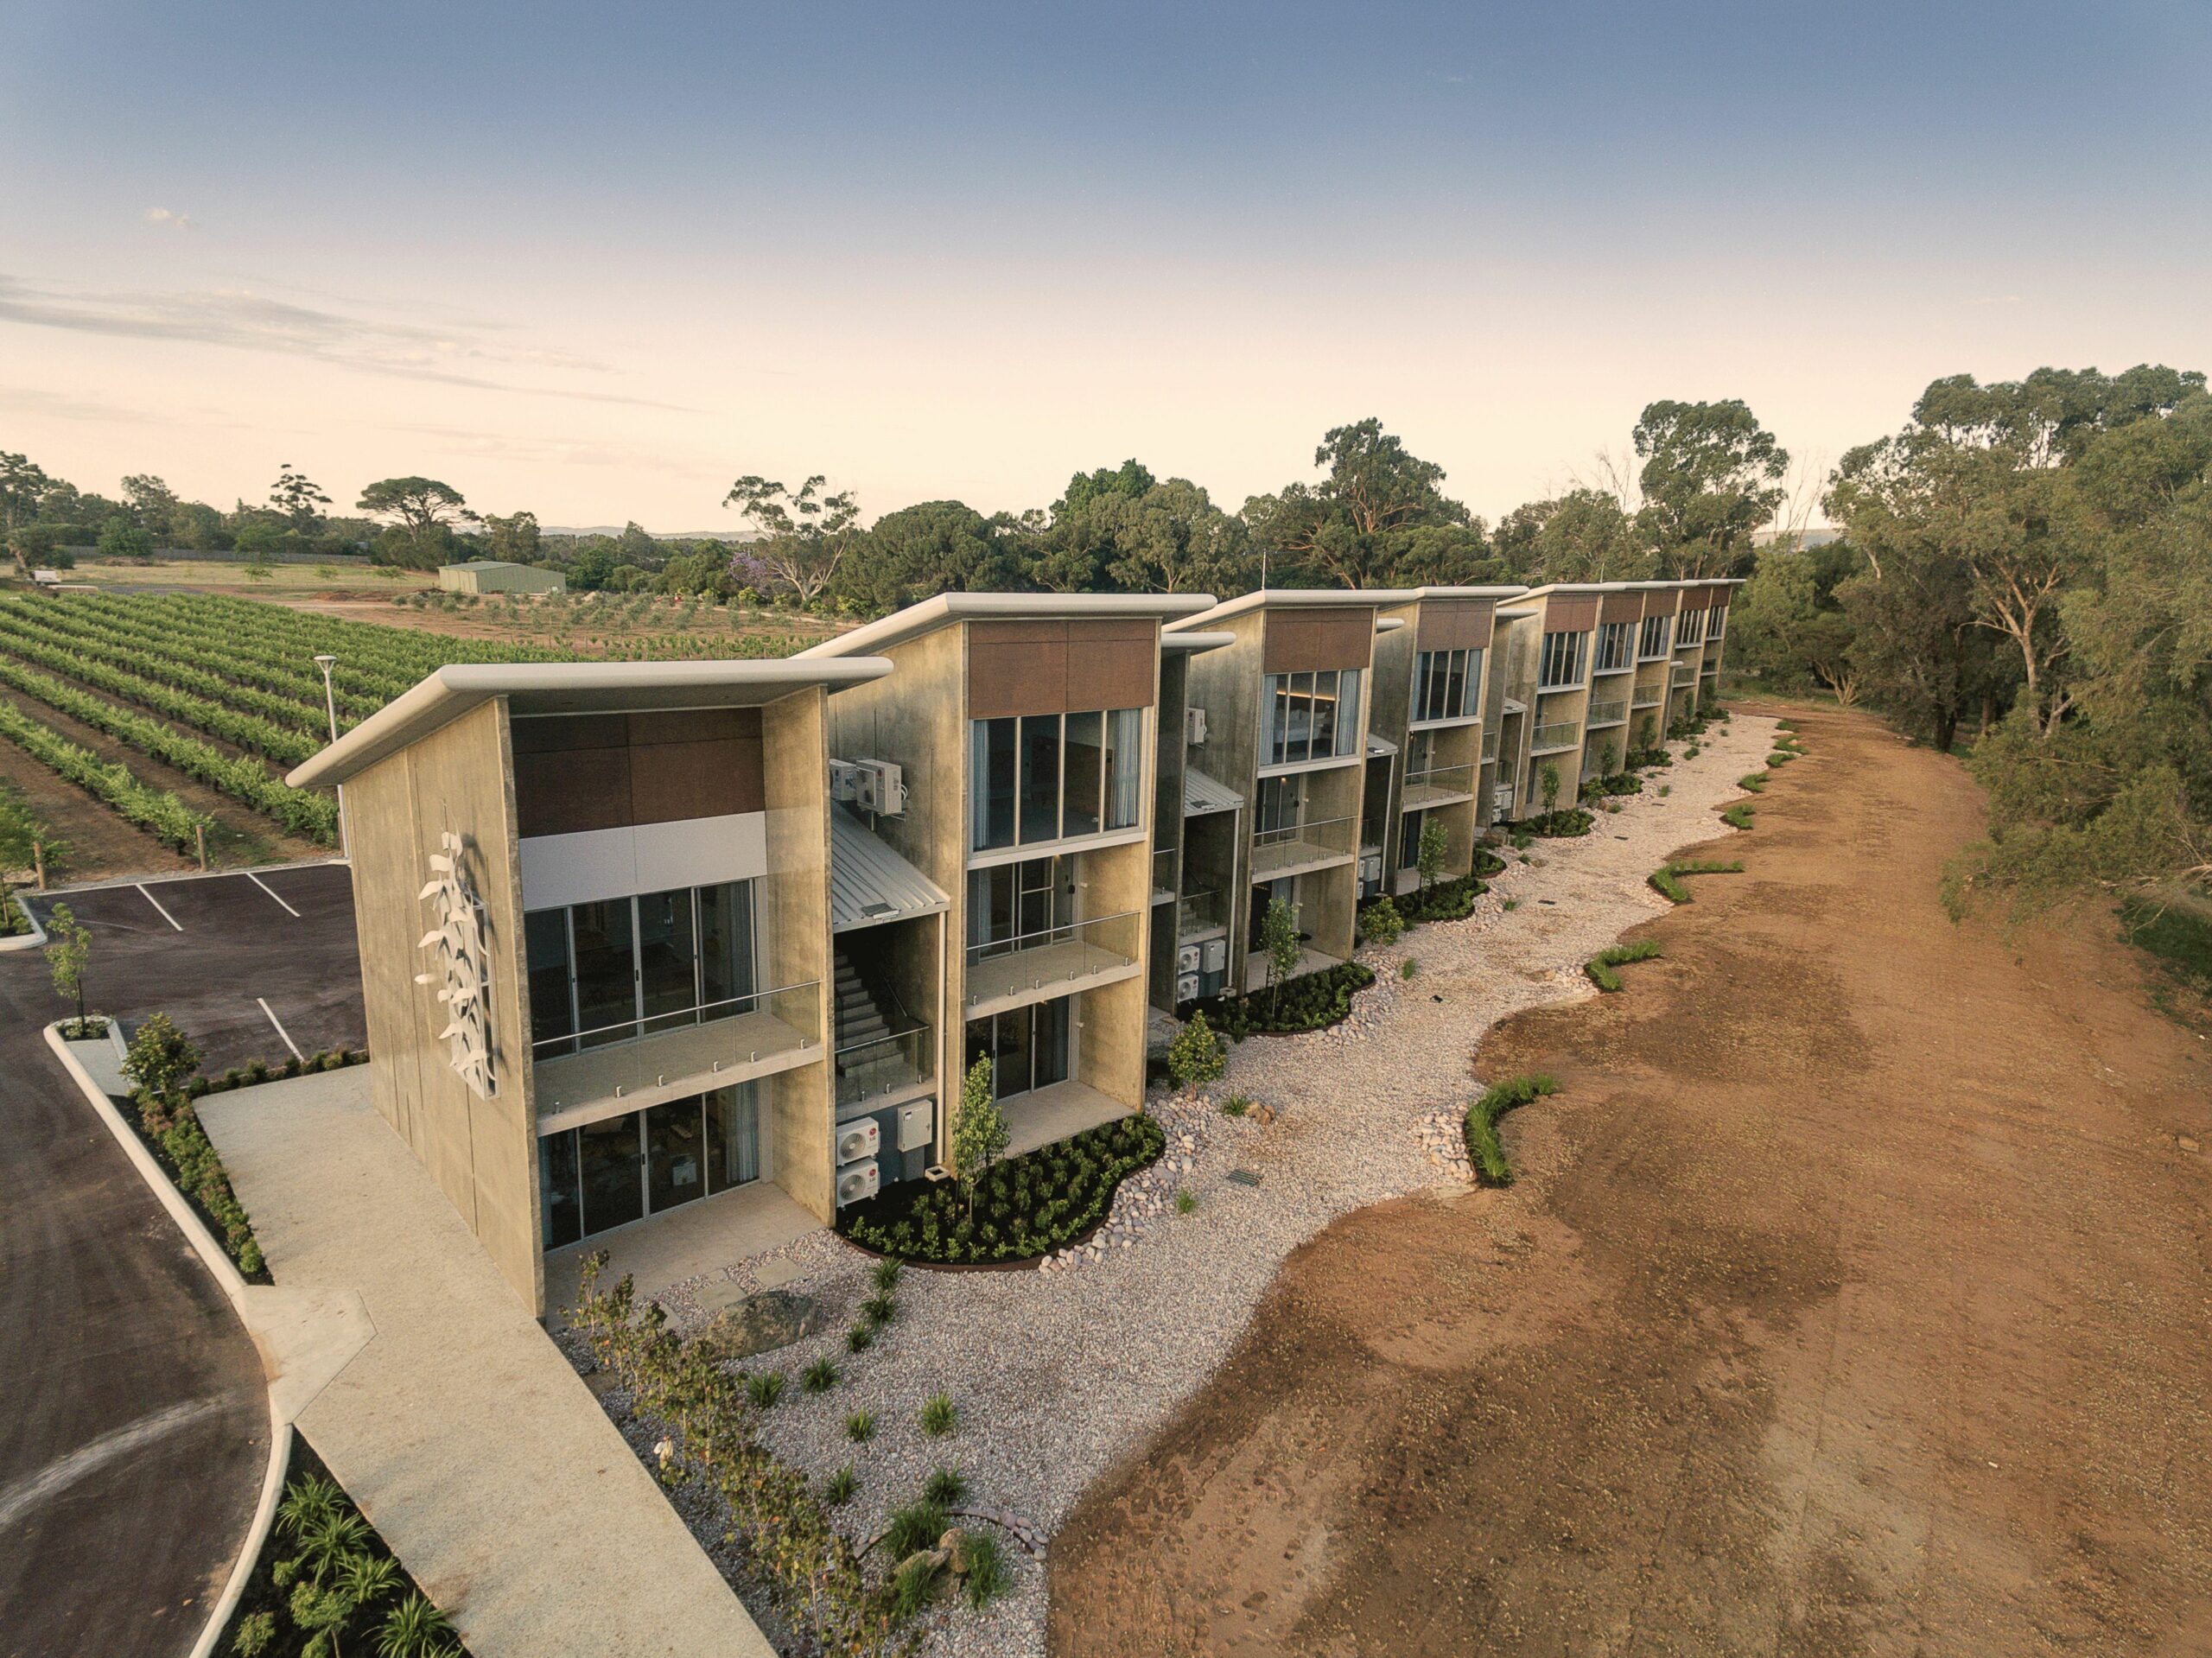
(760, 1323)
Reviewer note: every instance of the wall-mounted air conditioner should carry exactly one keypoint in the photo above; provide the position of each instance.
(1501, 797)
(857, 1182)
(1187, 988)
(917, 1125)
(1371, 866)
(1186, 958)
(1194, 727)
(1217, 956)
(874, 786)
(857, 1139)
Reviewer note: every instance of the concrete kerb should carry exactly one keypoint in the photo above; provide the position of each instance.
(114, 881)
(35, 939)
(218, 1263)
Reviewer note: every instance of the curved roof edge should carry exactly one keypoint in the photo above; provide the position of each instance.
(568, 688)
(946, 607)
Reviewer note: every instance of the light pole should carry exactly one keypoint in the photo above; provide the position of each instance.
(330, 702)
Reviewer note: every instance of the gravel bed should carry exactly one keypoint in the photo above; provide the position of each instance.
(1057, 1373)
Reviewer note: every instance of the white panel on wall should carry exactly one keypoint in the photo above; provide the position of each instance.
(558, 869)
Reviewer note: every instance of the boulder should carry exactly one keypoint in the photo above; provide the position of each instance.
(760, 1323)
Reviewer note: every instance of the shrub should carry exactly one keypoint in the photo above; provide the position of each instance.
(1186, 1201)
(1447, 900)
(1738, 816)
(1663, 883)
(1779, 758)
(1407, 967)
(860, 1426)
(1195, 1057)
(820, 1376)
(1485, 1150)
(1754, 782)
(160, 1057)
(1600, 966)
(939, 1417)
(914, 1527)
(841, 1487)
(1563, 825)
(1381, 923)
(1235, 1106)
(945, 1487)
(1512, 904)
(1666, 788)
(765, 1389)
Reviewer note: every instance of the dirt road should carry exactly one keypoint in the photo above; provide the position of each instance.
(1853, 1300)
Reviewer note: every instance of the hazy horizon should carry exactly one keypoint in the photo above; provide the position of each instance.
(598, 266)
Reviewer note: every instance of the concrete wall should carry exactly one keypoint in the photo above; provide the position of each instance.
(483, 1153)
(795, 912)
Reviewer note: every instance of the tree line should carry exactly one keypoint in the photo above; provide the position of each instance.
(2026, 567)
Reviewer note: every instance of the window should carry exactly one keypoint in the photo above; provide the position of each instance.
(1028, 1047)
(1612, 647)
(1309, 716)
(1562, 660)
(623, 1168)
(1653, 642)
(616, 969)
(1446, 684)
(1045, 776)
(1719, 622)
(1017, 905)
(1279, 803)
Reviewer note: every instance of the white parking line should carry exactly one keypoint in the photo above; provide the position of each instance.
(265, 887)
(156, 903)
(281, 1030)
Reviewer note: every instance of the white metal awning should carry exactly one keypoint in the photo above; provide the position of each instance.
(869, 883)
(1201, 794)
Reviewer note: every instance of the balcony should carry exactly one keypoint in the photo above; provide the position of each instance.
(1649, 697)
(1440, 785)
(1685, 672)
(1034, 966)
(642, 1062)
(1199, 914)
(1280, 852)
(1608, 714)
(1549, 740)
(888, 1065)
(1163, 875)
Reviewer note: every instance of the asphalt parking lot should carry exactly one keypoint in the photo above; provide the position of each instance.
(254, 965)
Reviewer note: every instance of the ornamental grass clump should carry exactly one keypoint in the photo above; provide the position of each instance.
(939, 1415)
(1485, 1150)
(1739, 816)
(1752, 782)
(1599, 968)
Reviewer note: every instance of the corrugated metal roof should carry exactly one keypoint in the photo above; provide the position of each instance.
(869, 883)
(1378, 746)
(1202, 794)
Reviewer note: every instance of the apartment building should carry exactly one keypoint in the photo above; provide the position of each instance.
(1024, 732)
(593, 906)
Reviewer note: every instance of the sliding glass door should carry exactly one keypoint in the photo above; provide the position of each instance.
(1029, 1048)
(623, 1168)
(616, 969)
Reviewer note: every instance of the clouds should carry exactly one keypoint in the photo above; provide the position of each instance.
(242, 319)
(163, 217)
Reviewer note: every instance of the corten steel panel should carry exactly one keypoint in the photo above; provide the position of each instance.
(1455, 624)
(1112, 665)
(1662, 601)
(557, 732)
(672, 782)
(1306, 640)
(566, 792)
(1576, 614)
(1621, 607)
(693, 726)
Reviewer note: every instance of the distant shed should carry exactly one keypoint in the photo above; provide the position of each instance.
(500, 576)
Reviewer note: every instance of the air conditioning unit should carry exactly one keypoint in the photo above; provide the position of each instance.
(1501, 797)
(1186, 958)
(875, 786)
(857, 1182)
(1371, 867)
(917, 1125)
(1187, 988)
(1217, 956)
(1194, 727)
(857, 1139)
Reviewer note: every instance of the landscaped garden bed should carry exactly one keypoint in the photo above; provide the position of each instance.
(1566, 822)
(1019, 1209)
(1446, 901)
(1313, 1001)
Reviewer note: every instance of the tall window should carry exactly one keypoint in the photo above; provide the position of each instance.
(1309, 716)
(1653, 642)
(1446, 684)
(1028, 1047)
(1692, 628)
(1612, 647)
(1562, 661)
(1047, 776)
(1719, 622)
(1017, 905)
(616, 969)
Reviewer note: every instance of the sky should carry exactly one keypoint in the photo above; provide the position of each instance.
(597, 262)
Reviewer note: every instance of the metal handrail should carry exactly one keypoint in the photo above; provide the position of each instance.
(683, 1013)
(990, 949)
(902, 1043)
(1685, 672)
(1562, 734)
(1464, 771)
(1649, 698)
(1198, 911)
(1606, 713)
(1295, 831)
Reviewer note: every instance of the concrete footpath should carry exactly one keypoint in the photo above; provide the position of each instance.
(446, 1410)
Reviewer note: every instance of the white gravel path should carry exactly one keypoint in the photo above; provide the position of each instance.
(1059, 1373)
